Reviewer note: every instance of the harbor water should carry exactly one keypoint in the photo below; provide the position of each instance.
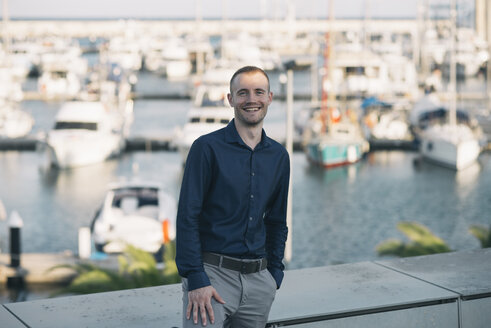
(340, 215)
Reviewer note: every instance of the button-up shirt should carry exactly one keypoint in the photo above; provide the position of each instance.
(232, 202)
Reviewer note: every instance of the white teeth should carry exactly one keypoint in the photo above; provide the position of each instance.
(251, 109)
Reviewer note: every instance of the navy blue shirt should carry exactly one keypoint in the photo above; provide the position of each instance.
(232, 202)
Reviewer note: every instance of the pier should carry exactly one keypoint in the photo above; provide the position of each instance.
(443, 290)
(132, 144)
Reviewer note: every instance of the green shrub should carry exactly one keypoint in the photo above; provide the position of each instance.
(421, 242)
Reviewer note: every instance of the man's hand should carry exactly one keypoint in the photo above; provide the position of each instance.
(200, 299)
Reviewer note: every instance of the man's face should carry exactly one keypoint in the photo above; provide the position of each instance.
(250, 97)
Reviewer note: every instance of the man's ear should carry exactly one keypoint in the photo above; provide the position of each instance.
(229, 97)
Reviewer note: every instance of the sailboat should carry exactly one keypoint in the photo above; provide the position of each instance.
(451, 144)
(334, 139)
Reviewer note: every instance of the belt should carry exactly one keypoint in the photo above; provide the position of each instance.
(242, 266)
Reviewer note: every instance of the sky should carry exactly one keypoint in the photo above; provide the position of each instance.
(210, 8)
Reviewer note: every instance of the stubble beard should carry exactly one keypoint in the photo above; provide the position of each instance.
(239, 115)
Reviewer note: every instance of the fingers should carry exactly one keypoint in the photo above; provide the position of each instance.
(203, 309)
(203, 314)
(211, 314)
(188, 310)
(218, 297)
(199, 304)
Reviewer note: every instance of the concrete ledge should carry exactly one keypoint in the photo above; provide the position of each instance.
(444, 290)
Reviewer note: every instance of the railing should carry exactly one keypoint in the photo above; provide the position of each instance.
(444, 290)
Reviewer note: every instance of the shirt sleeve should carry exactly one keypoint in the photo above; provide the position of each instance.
(275, 222)
(195, 182)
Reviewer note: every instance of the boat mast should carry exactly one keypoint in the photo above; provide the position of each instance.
(6, 32)
(328, 98)
(452, 86)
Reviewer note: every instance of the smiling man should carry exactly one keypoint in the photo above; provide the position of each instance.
(231, 221)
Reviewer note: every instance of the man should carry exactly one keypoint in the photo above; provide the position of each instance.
(231, 221)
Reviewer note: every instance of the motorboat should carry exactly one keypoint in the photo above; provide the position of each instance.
(211, 110)
(386, 122)
(176, 59)
(137, 213)
(10, 88)
(123, 51)
(85, 132)
(14, 122)
(59, 81)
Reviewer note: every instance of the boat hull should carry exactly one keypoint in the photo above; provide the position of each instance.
(446, 148)
(72, 150)
(334, 154)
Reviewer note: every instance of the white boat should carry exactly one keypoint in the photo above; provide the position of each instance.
(10, 88)
(211, 110)
(138, 213)
(450, 144)
(59, 81)
(84, 133)
(14, 122)
(386, 122)
(123, 51)
(176, 59)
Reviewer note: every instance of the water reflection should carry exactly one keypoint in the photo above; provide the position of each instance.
(331, 175)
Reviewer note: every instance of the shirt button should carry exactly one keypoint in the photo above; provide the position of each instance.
(250, 218)
(253, 174)
(252, 196)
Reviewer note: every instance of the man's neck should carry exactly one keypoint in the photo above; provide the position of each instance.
(251, 135)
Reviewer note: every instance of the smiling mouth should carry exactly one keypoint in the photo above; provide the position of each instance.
(252, 109)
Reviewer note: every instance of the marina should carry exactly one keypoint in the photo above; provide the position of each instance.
(345, 201)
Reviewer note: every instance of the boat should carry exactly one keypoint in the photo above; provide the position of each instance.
(449, 143)
(125, 51)
(386, 123)
(137, 213)
(335, 143)
(210, 111)
(10, 88)
(14, 122)
(333, 138)
(59, 81)
(85, 132)
(176, 60)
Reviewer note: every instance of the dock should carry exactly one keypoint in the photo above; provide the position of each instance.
(35, 267)
(450, 290)
(137, 143)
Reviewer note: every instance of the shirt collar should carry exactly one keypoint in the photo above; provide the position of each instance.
(232, 136)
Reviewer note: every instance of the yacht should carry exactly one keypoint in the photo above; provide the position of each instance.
(138, 213)
(59, 81)
(85, 132)
(14, 122)
(211, 110)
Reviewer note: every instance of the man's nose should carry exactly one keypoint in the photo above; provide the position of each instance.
(252, 97)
